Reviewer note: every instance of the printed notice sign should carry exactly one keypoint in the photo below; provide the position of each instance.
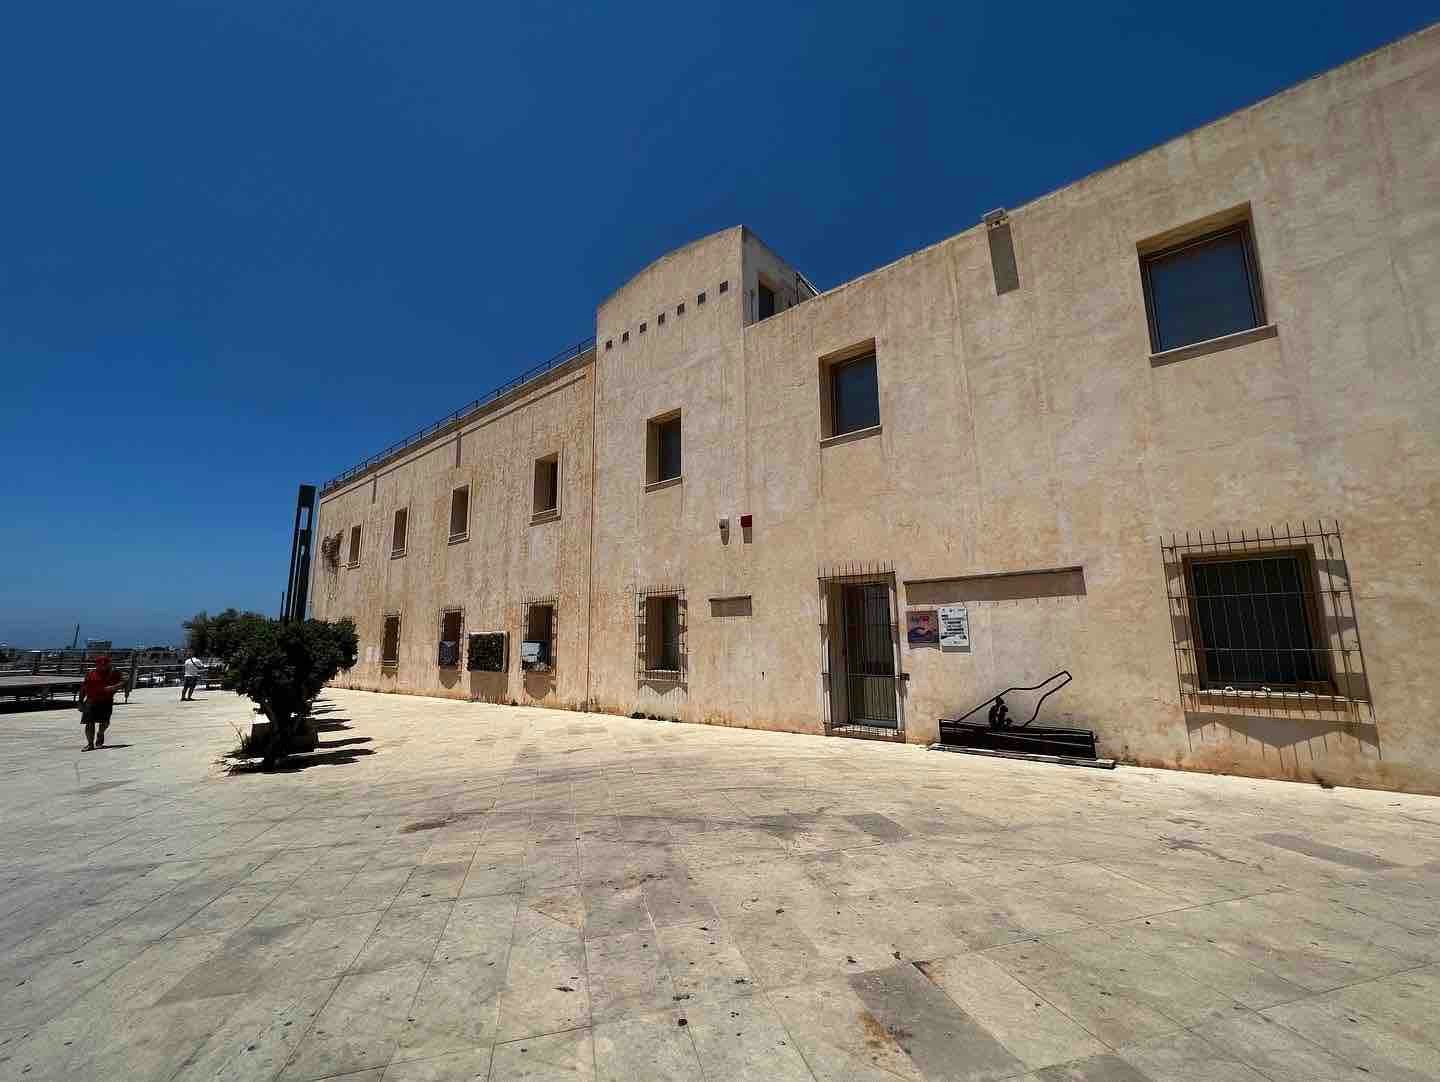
(954, 627)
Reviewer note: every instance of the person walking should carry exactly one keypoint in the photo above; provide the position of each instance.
(194, 669)
(97, 695)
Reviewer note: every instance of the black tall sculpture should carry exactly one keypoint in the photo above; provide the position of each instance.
(298, 584)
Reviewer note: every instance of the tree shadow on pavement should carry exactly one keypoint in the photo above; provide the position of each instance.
(300, 761)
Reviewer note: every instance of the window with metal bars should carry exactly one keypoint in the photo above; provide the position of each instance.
(1265, 618)
(354, 559)
(540, 636)
(449, 650)
(660, 614)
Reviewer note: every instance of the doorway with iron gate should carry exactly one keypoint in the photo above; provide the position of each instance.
(862, 681)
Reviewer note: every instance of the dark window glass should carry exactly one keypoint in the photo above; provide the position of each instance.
(1253, 619)
(539, 628)
(390, 641)
(767, 301)
(667, 447)
(354, 545)
(663, 619)
(855, 395)
(459, 512)
(1201, 290)
(397, 543)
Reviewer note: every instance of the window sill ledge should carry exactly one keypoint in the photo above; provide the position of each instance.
(397, 555)
(662, 676)
(848, 437)
(458, 538)
(1214, 345)
(539, 518)
(669, 482)
(1285, 695)
(352, 567)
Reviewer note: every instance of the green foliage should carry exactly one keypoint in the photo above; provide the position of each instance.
(284, 666)
(220, 636)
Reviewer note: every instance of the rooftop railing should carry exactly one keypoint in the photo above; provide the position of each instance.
(566, 355)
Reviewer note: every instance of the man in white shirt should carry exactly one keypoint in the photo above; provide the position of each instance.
(194, 669)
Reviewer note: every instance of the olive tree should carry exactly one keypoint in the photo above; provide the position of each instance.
(283, 667)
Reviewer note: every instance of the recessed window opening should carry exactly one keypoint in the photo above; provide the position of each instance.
(354, 546)
(680, 309)
(1205, 288)
(625, 336)
(725, 286)
(700, 297)
(642, 328)
(449, 652)
(547, 485)
(765, 307)
(540, 630)
(398, 533)
(663, 449)
(460, 513)
(1257, 621)
(853, 395)
(660, 319)
(662, 633)
(390, 642)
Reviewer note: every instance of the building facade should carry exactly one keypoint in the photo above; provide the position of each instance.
(1173, 429)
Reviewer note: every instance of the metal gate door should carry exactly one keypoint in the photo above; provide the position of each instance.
(869, 655)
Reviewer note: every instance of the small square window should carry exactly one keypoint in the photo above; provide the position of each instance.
(725, 287)
(399, 532)
(390, 642)
(460, 513)
(680, 309)
(700, 298)
(1256, 621)
(547, 485)
(354, 546)
(663, 449)
(609, 342)
(1202, 289)
(625, 337)
(642, 328)
(850, 395)
(660, 320)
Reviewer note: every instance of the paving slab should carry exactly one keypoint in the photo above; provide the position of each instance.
(505, 892)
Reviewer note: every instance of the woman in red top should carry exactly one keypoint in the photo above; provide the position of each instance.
(97, 695)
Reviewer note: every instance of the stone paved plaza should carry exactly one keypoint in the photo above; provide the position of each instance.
(459, 891)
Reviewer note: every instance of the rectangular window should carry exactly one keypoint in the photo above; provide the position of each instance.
(540, 637)
(547, 485)
(397, 537)
(766, 302)
(449, 655)
(1204, 288)
(390, 642)
(1256, 621)
(486, 652)
(460, 513)
(662, 633)
(854, 394)
(662, 449)
(354, 546)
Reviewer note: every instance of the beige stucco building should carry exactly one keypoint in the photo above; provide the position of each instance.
(1174, 428)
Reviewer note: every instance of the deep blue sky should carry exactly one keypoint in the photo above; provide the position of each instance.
(246, 243)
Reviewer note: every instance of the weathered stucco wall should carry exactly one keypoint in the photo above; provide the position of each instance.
(505, 560)
(1025, 431)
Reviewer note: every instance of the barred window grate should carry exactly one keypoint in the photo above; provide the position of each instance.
(859, 651)
(660, 635)
(1263, 622)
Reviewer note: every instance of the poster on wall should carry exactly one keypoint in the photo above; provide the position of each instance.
(922, 627)
(954, 627)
